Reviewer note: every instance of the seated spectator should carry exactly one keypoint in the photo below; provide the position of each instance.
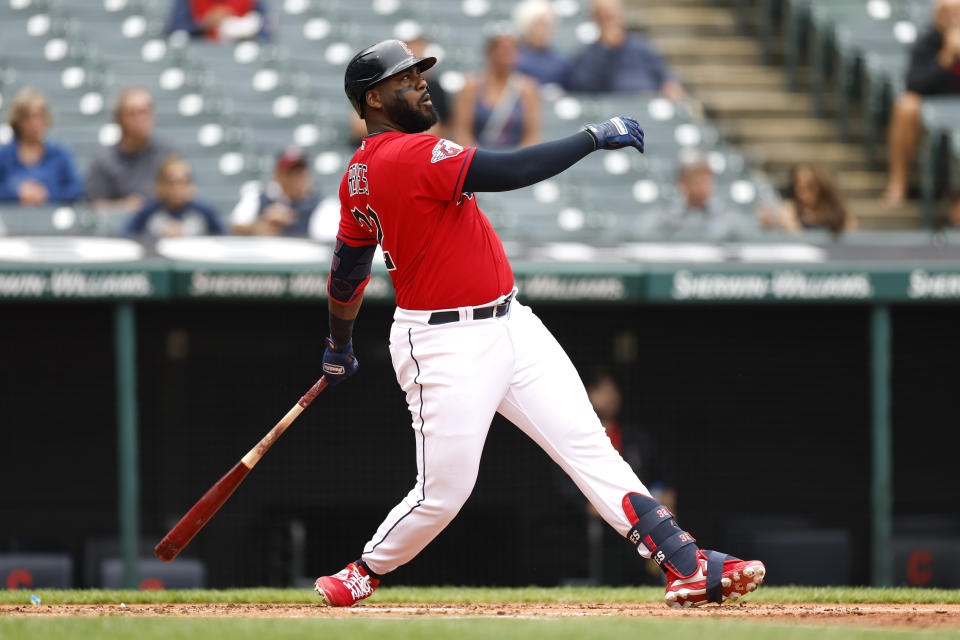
(619, 60)
(498, 108)
(220, 19)
(173, 213)
(535, 20)
(934, 70)
(441, 102)
(697, 213)
(34, 171)
(811, 201)
(287, 206)
(121, 177)
(609, 560)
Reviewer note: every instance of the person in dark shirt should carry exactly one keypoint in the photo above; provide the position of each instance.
(121, 177)
(934, 70)
(174, 213)
(33, 170)
(285, 206)
(609, 561)
(535, 21)
(619, 60)
(812, 200)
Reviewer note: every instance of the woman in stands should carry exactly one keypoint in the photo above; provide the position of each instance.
(812, 201)
(498, 108)
(34, 171)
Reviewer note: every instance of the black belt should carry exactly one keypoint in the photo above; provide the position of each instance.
(479, 313)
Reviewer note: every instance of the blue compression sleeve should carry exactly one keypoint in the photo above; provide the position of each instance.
(350, 271)
(505, 171)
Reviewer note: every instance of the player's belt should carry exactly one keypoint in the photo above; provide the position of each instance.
(479, 313)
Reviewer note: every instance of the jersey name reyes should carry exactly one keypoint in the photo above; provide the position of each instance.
(357, 179)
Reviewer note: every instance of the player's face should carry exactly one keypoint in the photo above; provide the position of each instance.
(406, 100)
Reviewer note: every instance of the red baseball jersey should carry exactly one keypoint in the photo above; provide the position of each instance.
(405, 192)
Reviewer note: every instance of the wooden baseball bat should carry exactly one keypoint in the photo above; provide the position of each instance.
(182, 533)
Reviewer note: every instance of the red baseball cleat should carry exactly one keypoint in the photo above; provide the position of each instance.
(718, 578)
(347, 588)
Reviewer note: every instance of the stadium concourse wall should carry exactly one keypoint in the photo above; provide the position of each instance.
(814, 392)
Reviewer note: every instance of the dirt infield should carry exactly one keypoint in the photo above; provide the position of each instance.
(873, 615)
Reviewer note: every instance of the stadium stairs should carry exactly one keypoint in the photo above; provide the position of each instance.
(719, 59)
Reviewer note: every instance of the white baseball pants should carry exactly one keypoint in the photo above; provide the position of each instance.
(456, 376)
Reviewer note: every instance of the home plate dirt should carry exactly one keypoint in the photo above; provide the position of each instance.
(881, 615)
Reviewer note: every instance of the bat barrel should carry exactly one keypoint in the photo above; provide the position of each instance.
(190, 524)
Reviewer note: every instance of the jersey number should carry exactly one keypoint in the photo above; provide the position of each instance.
(370, 221)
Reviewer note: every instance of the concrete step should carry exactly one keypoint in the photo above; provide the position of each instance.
(687, 16)
(772, 129)
(871, 213)
(716, 76)
(863, 181)
(680, 49)
(836, 155)
(760, 103)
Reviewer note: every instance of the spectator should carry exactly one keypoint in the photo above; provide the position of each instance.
(34, 171)
(535, 20)
(811, 201)
(609, 560)
(499, 107)
(287, 206)
(619, 60)
(174, 213)
(441, 102)
(696, 212)
(121, 177)
(220, 19)
(934, 69)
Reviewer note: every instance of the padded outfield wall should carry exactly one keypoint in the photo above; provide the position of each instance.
(757, 396)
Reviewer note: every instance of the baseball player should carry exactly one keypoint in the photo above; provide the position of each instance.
(463, 345)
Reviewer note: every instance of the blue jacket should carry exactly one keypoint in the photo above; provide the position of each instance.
(635, 66)
(56, 170)
(545, 66)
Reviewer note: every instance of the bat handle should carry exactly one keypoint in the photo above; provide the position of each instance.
(314, 391)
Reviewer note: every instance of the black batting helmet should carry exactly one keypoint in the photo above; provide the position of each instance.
(377, 63)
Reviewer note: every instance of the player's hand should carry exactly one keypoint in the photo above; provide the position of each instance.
(339, 363)
(616, 133)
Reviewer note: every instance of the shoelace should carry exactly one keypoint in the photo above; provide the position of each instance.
(358, 585)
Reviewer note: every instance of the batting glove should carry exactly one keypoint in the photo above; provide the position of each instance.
(616, 133)
(339, 363)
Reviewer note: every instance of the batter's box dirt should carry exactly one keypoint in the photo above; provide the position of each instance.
(878, 615)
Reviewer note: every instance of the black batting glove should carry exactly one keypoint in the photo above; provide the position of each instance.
(339, 363)
(616, 133)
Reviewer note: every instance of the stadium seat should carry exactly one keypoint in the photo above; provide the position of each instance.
(185, 573)
(36, 571)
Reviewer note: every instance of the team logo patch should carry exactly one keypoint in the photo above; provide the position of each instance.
(405, 47)
(445, 149)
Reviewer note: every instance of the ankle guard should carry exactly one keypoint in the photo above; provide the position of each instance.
(654, 527)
